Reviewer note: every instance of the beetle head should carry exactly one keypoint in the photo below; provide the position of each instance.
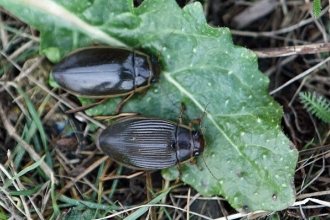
(199, 143)
(155, 61)
(155, 69)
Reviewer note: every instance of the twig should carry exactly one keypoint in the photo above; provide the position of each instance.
(292, 50)
(301, 75)
(88, 170)
(308, 195)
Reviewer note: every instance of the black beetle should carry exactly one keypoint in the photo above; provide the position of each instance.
(147, 143)
(103, 72)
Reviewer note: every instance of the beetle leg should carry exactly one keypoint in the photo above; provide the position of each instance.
(85, 107)
(183, 108)
(180, 173)
(144, 91)
(109, 117)
(150, 195)
(198, 121)
(194, 162)
(114, 177)
(163, 46)
(122, 103)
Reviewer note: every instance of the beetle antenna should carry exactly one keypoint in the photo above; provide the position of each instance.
(207, 167)
(202, 130)
(158, 58)
(163, 46)
(199, 120)
(183, 108)
(162, 88)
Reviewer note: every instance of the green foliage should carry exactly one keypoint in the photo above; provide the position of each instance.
(317, 7)
(25, 192)
(317, 106)
(24, 171)
(78, 214)
(248, 159)
(36, 123)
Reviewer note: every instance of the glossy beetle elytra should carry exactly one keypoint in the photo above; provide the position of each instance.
(102, 72)
(147, 143)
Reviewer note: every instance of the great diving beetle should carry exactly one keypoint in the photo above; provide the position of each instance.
(147, 143)
(103, 72)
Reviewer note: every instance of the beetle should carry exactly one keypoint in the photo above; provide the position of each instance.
(103, 72)
(147, 143)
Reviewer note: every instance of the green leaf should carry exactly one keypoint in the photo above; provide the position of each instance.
(21, 173)
(317, 7)
(317, 106)
(78, 214)
(76, 202)
(3, 216)
(27, 192)
(248, 159)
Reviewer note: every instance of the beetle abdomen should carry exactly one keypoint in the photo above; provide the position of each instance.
(140, 143)
(151, 158)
